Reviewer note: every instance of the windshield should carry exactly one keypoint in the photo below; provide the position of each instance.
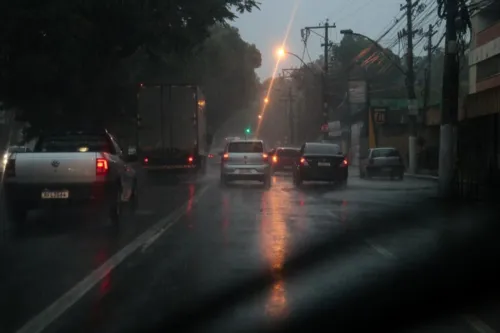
(327, 149)
(73, 143)
(386, 152)
(288, 152)
(220, 164)
(245, 147)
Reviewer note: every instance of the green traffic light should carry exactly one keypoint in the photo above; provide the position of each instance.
(247, 130)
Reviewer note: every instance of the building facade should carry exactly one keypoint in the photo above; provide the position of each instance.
(478, 153)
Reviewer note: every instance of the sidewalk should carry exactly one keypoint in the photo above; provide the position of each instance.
(421, 176)
(424, 174)
(354, 171)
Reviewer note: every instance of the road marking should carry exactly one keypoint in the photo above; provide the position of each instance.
(381, 250)
(41, 321)
(478, 325)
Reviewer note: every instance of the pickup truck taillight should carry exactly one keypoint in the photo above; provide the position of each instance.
(101, 166)
(344, 163)
(275, 159)
(265, 157)
(10, 168)
(225, 157)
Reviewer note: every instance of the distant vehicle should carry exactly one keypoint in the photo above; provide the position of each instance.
(284, 158)
(232, 138)
(70, 168)
(382, 162)
(245, 160)
(173, 133)
(320, 162)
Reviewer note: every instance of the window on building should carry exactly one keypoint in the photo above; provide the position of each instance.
(488, 68)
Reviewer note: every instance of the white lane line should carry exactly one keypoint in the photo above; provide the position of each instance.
(478, 325)
(41, 321)
(381, 250)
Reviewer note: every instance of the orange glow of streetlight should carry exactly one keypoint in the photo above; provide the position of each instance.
(260, 116)
(266, 100)
(281, 52)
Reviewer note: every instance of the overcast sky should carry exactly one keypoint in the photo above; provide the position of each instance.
(267, 28)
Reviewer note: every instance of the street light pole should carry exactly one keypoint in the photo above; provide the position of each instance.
(410, 85)
(325, 27)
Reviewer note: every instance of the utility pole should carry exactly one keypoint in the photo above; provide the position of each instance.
(410, 85)
(326, 27)
(449, 104)
(428, 48)
(286, 73)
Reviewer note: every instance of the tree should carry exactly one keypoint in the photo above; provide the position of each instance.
(78, 59)
(225, 68)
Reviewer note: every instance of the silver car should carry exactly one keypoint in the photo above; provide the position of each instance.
(382, 161)
(245, 160)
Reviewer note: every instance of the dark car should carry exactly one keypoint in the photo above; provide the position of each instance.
(320, 162)
(284, 158)
(380, 162)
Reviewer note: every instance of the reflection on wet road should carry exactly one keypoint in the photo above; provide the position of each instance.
(193, 240)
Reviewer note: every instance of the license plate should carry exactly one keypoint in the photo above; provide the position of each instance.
(386, 169)
(55, 194)
(243, 171)
(323, 164)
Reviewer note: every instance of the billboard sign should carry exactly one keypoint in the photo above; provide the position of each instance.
(357, 92)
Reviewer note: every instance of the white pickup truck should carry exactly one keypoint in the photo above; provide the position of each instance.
(70, 168)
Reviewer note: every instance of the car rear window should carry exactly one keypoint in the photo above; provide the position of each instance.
(73, 143)
(389, 152)
(245, 147)
(288, 152)
(328, 149)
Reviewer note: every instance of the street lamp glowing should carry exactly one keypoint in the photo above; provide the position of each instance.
(266, 100)
(260, 116)
(281, 52)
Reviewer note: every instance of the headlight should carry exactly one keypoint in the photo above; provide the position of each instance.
(5, 159)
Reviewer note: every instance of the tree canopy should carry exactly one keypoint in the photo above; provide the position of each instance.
(84, 58)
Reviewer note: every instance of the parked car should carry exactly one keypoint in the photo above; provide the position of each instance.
(382, 162)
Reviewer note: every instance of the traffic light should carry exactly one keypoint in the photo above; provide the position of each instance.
(247, 130)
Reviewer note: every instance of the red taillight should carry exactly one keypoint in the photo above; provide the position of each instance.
(344, 163)
(210, 156)
(190, 159)
(275, 159)
(225, 157)
(146, 160)
(303, 161)
(265, 157)
(101, 166)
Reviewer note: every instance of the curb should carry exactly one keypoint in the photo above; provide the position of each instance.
(417, 176)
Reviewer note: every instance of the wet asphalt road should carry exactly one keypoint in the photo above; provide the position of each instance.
(190, 239)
